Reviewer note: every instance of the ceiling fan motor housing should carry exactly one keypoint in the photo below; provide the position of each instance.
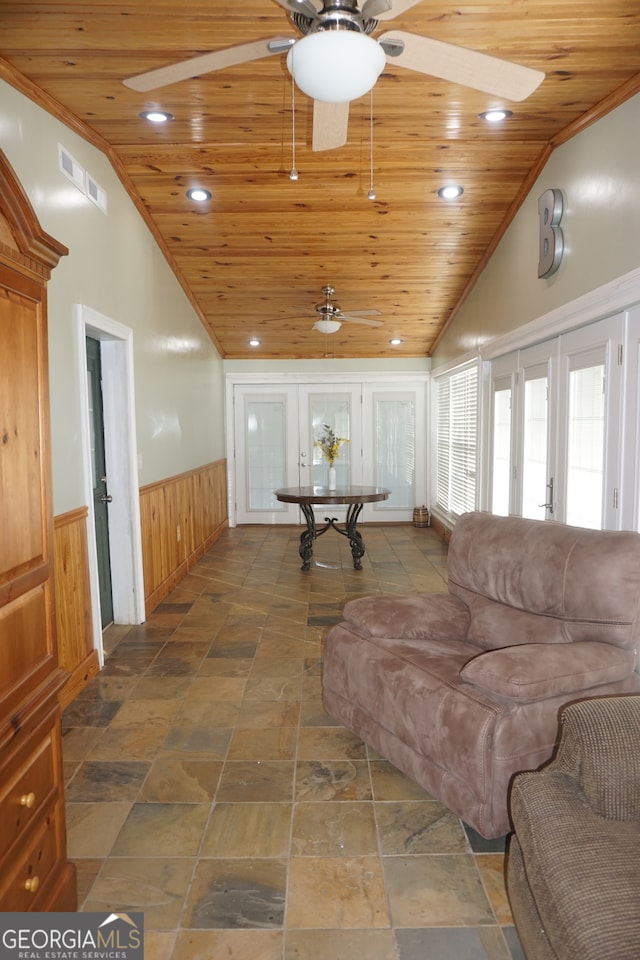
(335, 15)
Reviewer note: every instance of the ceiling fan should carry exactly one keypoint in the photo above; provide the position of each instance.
(337, 60)
(331, 316)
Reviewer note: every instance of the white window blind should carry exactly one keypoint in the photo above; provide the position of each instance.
(456, 428)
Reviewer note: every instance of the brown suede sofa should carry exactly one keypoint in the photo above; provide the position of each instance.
(573, 867)
(462, 689)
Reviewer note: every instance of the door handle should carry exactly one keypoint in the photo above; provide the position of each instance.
(105, 498)
(549, 506)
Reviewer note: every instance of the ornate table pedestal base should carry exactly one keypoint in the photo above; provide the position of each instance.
(312, 532)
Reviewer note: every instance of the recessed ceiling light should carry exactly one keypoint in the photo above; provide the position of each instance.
(450, 191)
(156, 116)
(254, 342)
(495, 116)
(395, 341)
(198, 194)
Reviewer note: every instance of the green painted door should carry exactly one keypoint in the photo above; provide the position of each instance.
(101, 497)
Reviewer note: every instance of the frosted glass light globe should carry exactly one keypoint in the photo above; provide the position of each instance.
(327, 326)
(336, 65)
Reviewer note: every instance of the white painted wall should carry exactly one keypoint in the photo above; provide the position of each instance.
(599, 176)
(400, 365)
(115, 268)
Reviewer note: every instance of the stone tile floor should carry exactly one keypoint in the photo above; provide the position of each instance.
(207, 788)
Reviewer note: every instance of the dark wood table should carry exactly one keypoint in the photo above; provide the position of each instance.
(353, 497)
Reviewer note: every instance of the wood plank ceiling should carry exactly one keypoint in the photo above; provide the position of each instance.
(253, 260)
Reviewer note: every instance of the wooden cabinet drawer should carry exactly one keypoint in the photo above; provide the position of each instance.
(27, 878)
(26, 787)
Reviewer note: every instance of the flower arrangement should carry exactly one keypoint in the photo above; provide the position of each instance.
(329, 443)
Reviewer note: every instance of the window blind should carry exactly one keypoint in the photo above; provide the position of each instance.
(456, 430)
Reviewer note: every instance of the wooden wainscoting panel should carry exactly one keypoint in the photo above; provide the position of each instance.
(76, 649)
(181, 517)
(151, 520)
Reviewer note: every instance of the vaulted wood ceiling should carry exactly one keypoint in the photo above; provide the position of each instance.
(253, 260)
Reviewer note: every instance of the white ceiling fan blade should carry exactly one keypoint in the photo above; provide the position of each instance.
(302, 6)
(205, 63)
(374, 8)
(361, 313)
(501, 78)
(330, 125)
(345, 318)
(399, 7)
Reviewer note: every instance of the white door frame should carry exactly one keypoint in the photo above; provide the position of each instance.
(125, 540)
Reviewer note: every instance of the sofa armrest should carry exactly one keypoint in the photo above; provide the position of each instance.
(427, 616)
(600, 749)
(535, 671)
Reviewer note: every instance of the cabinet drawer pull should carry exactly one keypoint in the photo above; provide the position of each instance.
(32, 884)
(27, 800)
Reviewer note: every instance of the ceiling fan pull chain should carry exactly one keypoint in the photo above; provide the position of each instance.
(372, 193)
(293, 174)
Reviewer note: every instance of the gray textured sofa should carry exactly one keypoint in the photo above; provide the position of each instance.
(462, 689)
(573, 869)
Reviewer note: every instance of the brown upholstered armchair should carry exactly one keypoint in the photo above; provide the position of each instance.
(573, 869)
(461, 690)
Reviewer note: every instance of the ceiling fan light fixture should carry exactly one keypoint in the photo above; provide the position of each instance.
(327, 326)
(336, 66)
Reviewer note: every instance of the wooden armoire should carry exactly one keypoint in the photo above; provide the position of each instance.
(34, 871)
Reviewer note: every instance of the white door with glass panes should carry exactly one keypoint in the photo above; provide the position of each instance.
(395, 456)
(556, 428)
(521, 469)
(536, 442)
(502, 438)
(324, 413)
(330, 412)
(276, 427)
(269, 451)
(590, 385)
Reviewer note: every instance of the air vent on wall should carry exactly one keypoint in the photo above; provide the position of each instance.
(82, 179)
(96, 194)
(71, 168)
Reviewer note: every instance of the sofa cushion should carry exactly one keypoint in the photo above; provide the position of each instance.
(494, 625)
(549, 578)
(432, 616)
(534, 671)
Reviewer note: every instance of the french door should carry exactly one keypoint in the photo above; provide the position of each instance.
(556, 442)
(275, 426)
